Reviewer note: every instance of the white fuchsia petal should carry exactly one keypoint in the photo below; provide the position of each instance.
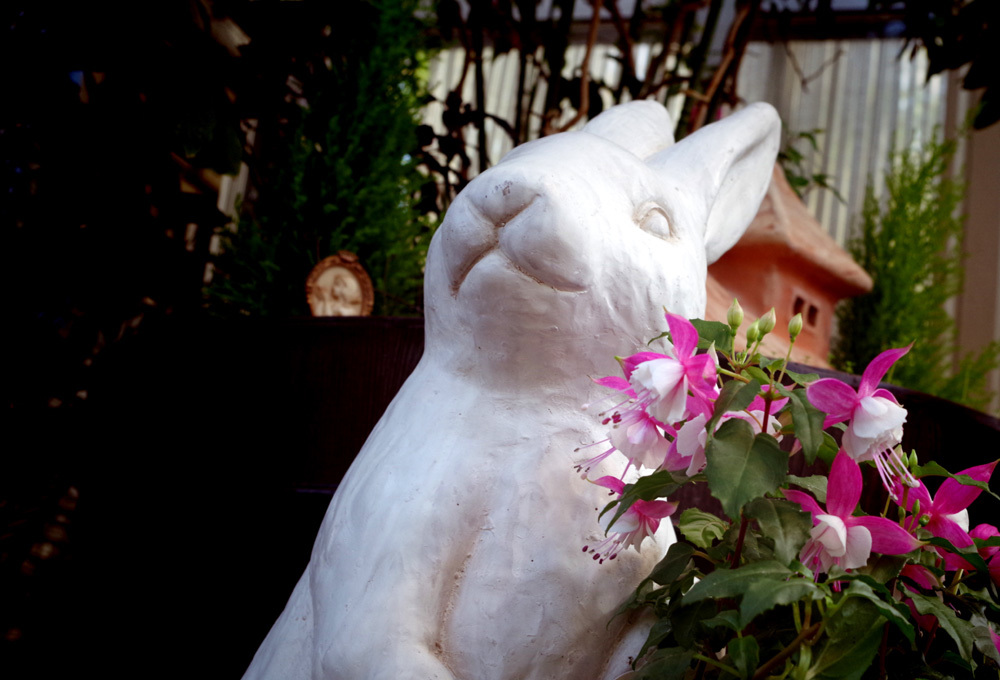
(859, 548)
(672, 406)
(628, 522)
(831, 533)
(876, 415)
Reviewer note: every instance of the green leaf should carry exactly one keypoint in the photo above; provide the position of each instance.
(672, 565)
(723, 583)
(762, 595)
(882, 569)
(987, 542)
(828, 449)
(639, 598)
(687, 618)
(893, 611)
(730, 618)
(659, 631)
(734, 396)
(772, 365)
(808, 421)
(962, 668)
(959, 630)
(984, 643)
(701, 528)
(802, 379)
(970, 554)
(745, 654)
(814, 484)
(854, 635)
(713, 331)
(742, 467)
(664, 663)
(755, 373)
(784, 523)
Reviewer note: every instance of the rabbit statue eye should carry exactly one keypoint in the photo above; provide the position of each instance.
(653, 219)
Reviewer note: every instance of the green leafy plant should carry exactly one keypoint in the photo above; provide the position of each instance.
(798, 577)
(337, 169)
(911, 245)
(798, 171)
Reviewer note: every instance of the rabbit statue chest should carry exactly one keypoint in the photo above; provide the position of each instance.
(453, 547)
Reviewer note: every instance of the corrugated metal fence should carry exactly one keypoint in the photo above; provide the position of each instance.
(862, 95)
(867, 99)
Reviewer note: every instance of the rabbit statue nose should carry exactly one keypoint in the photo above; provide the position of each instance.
(472, 226)
(505, 199)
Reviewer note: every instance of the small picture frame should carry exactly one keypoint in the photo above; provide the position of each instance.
(339, 286)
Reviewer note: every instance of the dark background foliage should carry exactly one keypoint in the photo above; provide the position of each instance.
(99, 121)
(334, 159)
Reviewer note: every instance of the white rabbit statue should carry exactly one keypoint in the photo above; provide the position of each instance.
(453, 548)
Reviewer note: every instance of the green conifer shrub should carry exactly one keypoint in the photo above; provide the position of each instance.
(911, 245)
(339, 167)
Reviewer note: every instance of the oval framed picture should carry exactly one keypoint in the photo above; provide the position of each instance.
(339, 286)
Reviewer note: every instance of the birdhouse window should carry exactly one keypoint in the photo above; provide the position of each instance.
(809, 311)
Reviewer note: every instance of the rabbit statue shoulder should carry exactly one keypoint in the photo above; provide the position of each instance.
(453, 547)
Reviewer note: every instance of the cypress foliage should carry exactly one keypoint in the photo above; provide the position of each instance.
(342, 174)
(911, 245)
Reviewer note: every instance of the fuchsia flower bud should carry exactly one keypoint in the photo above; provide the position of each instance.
(734, 317)
(795, 326)
(767, 322)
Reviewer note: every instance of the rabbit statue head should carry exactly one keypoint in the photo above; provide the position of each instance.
(452, 546)
(573, 244)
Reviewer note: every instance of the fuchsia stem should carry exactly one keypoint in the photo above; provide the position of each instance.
(768, 397)
(739, 542)
(806, 634)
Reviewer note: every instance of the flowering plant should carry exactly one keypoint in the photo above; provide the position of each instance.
(793, 579)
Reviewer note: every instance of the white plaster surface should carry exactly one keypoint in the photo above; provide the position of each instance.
(453, 547)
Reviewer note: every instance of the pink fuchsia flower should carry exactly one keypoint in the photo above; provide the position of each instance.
(642, 519)
(992, 553)
(875, 418)
(687, 450)
(984, 532)
(633, 432)
(638, 436)
(946, 515)
(837, 537)
(673, 388)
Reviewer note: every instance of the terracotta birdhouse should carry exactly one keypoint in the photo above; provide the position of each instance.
(788, 261)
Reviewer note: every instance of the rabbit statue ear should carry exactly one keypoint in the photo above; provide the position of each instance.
(728, 165)
(642, 127)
